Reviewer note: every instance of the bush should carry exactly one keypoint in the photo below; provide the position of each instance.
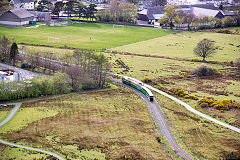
(219, 105)
(237, 62)
(204, 70)
(204, 27)
(228, 21)
(147, 80)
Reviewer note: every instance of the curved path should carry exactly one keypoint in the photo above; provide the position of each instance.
(14, 110)
(188, 107)
(162, 124)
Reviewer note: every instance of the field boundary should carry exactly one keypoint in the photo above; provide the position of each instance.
(132, 54)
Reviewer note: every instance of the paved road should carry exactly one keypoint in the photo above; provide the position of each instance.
(188, 107)
(161, 122)
(14, 110)
(24, 74)
(193, 110)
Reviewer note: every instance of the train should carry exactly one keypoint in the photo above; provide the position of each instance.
(139, 86)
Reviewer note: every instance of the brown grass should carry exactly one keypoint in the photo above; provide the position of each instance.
(115, 122)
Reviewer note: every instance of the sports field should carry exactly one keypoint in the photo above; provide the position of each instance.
(83, 35)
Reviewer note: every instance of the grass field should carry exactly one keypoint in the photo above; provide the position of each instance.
(83, 35)
(103, 124)
(180, 45)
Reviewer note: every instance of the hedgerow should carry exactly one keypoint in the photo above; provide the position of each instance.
(219, 105)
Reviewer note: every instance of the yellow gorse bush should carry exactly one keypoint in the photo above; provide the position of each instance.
(220, 105)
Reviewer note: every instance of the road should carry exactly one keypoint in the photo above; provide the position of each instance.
(158, 116)
(10, 116)
(24, 74)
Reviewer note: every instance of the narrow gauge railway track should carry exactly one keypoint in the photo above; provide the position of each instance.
(157, 113)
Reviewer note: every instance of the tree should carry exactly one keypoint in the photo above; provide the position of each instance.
(13, 53)
(205, 48)
(91, 10)
(228, 21)
(180, 17)
(119, 12)
(58, 8)
(133, 1)
(4, 48)
(80, 9)
(44, 5)
(189, 19)
(159, 2)
(170, 13)
(69, 7)
(4, 6)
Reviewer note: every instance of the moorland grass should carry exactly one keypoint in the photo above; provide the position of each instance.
(180, 45)
(83, 35)
(112, 123)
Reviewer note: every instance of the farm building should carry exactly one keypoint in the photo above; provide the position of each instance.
(16, 17)
(41, 16)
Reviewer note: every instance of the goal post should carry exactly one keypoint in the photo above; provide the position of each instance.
(53, 39)
(118, 26)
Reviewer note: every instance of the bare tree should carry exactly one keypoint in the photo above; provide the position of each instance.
(5, 45)
(189, 19)
(205, 48)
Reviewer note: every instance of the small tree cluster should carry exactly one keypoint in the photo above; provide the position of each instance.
(119, 12)
(8, 50)
(73, 7)
(41, 85)
(204, 70)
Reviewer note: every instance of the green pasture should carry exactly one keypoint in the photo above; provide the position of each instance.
(180, 45)
(83, 35)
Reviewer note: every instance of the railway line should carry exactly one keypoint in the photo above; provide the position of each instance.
(162, 124)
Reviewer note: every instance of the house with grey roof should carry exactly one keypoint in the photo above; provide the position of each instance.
(199, 10)
(41, 16)
(16, 17)
(26, 4)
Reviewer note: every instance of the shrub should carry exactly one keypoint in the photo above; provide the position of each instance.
(237, 62)
(204, 70)
(204, 27)
(147, 80)
(220, 105)
(228, 21)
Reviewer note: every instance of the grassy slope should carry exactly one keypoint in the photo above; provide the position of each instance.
(181, 45)
(141, 67)
(112, 123)
(83, 35)
(210, 141)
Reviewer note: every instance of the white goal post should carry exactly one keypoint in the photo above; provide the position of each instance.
(53, 39)
(118, 26)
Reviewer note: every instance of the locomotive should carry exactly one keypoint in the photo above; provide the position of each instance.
(139, 86)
